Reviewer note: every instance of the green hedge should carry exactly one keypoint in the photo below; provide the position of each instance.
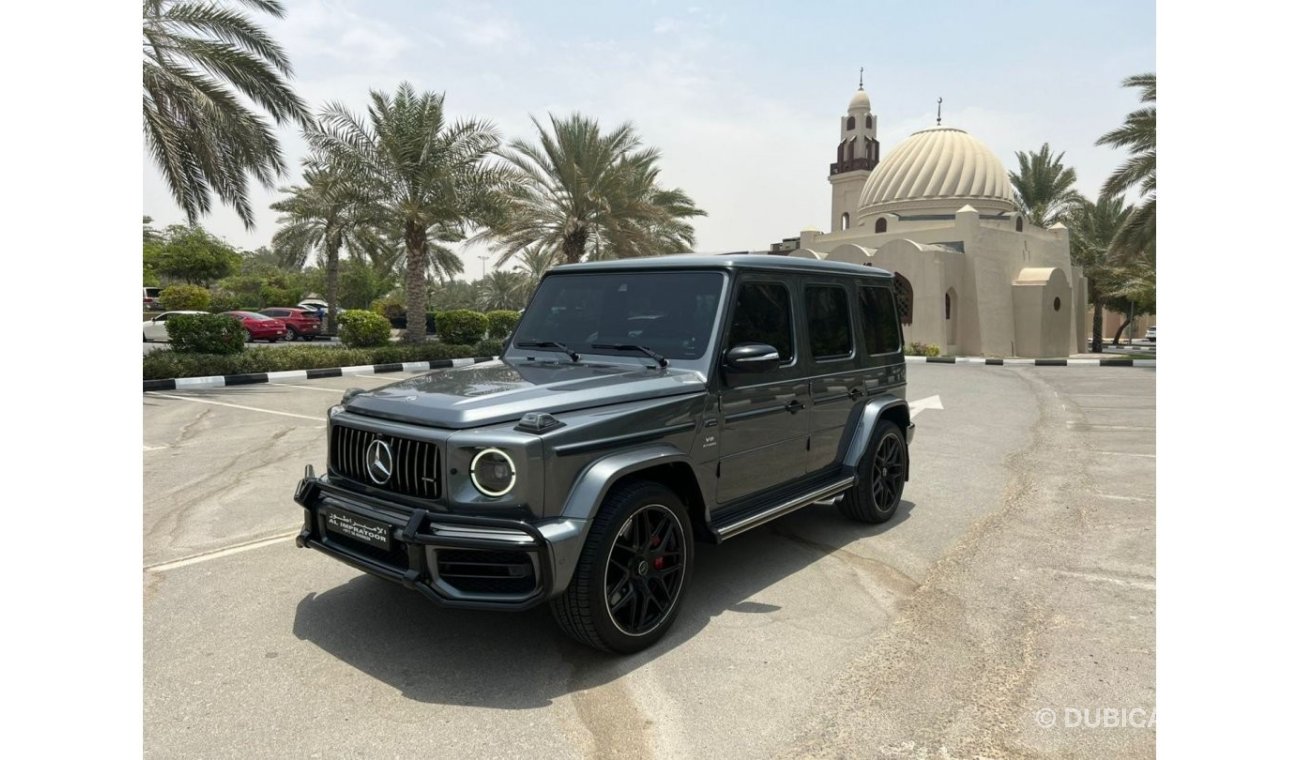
(916, 348)
(205, 334)
(461, 326)
(361, 329)
(185, 298)
(165, 364)
(501, 322)
(487, 347)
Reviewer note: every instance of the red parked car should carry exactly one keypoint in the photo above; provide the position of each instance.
(299, 322)
(259, 326)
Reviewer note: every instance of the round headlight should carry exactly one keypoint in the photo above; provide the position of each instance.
(492, 472)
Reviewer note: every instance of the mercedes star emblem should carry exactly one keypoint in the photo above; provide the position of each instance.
(379, 461)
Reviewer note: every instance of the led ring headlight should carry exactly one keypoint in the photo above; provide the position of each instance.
(497, 475)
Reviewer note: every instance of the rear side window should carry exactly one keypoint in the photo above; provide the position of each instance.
(275, 313)
(763, 315)
(879, 320)
(830, 326)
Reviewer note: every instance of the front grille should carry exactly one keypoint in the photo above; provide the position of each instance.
(477, 571)
(416, 465)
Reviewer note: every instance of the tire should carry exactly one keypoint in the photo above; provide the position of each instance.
(642, 533)
(292, 334)
(881, 475)
(249, 333)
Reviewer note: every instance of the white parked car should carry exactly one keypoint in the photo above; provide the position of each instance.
(156, 328)
(1151, 334)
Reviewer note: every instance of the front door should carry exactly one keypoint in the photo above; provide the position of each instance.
(764, 428)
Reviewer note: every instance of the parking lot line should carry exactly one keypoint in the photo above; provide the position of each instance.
(236, 406)
(163, 567)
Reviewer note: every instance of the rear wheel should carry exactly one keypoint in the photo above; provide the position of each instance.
(633, 570)
(881, 475)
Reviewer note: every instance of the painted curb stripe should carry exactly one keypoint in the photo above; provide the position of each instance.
(217, 381)
(977, 360)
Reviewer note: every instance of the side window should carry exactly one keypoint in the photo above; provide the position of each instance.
(763, 315)
(879, 320)
(830, 326)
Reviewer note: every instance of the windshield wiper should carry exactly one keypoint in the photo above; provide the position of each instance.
(663, 362)
(549, 344)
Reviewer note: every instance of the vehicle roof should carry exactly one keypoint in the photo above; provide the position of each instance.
(746, 261)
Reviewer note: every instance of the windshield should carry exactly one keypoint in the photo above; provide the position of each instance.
(669, 312)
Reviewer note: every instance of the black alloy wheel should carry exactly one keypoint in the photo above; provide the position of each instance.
(633, 571)
(881, 475)
(644, 572)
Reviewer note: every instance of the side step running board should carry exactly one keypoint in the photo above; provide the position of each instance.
(744, 523)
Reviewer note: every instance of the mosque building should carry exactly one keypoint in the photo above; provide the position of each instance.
(974, 276)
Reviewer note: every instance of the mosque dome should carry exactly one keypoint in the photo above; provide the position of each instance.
(860, 101)
(939, 169)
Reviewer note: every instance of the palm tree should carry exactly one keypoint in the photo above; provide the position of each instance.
(1044, 186)
(199, 57)
(432, 178)
(328, 213)
(501, 290)
(1138, 135)
(533, 262)
(1093, 227)
(591, 194)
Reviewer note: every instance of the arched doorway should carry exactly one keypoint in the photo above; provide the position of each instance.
(844, 221)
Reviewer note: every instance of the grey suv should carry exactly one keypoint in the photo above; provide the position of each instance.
(640, 406)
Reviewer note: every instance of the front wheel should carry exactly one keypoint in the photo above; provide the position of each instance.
(633, 570)
(292, 335)
(249, 335)
(881, 475)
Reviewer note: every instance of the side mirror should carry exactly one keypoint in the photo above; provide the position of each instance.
(752, 357)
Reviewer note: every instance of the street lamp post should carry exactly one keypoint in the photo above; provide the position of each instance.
(484, 260)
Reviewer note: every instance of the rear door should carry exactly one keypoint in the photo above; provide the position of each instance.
(764, 424)
(836, 374)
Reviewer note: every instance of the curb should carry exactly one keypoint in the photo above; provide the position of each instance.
(1125, 362)
(252, 378)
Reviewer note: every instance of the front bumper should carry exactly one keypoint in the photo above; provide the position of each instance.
(452, 560)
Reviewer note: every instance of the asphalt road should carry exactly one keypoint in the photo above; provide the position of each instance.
(1016, 581)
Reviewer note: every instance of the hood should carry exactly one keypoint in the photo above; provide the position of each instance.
(495, 392)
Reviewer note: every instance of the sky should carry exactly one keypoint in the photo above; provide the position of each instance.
(743, 99)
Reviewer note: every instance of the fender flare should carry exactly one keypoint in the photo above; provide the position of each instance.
(876, 409)
(593, 483)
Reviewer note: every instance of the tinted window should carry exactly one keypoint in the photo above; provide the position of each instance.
(830, 327)
(275, 312)
(672, 313)
(879, 320)
(763, 316)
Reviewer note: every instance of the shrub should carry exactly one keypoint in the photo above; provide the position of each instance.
(501, 322)
(273, 296)
(487, 347)
(205, 334)
(389, 308)
(916, 348)
(185, 298)
(359, 329)
(461, 326)
(224, 300)
(161, 365)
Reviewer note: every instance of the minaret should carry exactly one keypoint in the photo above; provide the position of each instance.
(857, 154)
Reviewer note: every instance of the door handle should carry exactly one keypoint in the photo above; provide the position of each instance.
(794, 406)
